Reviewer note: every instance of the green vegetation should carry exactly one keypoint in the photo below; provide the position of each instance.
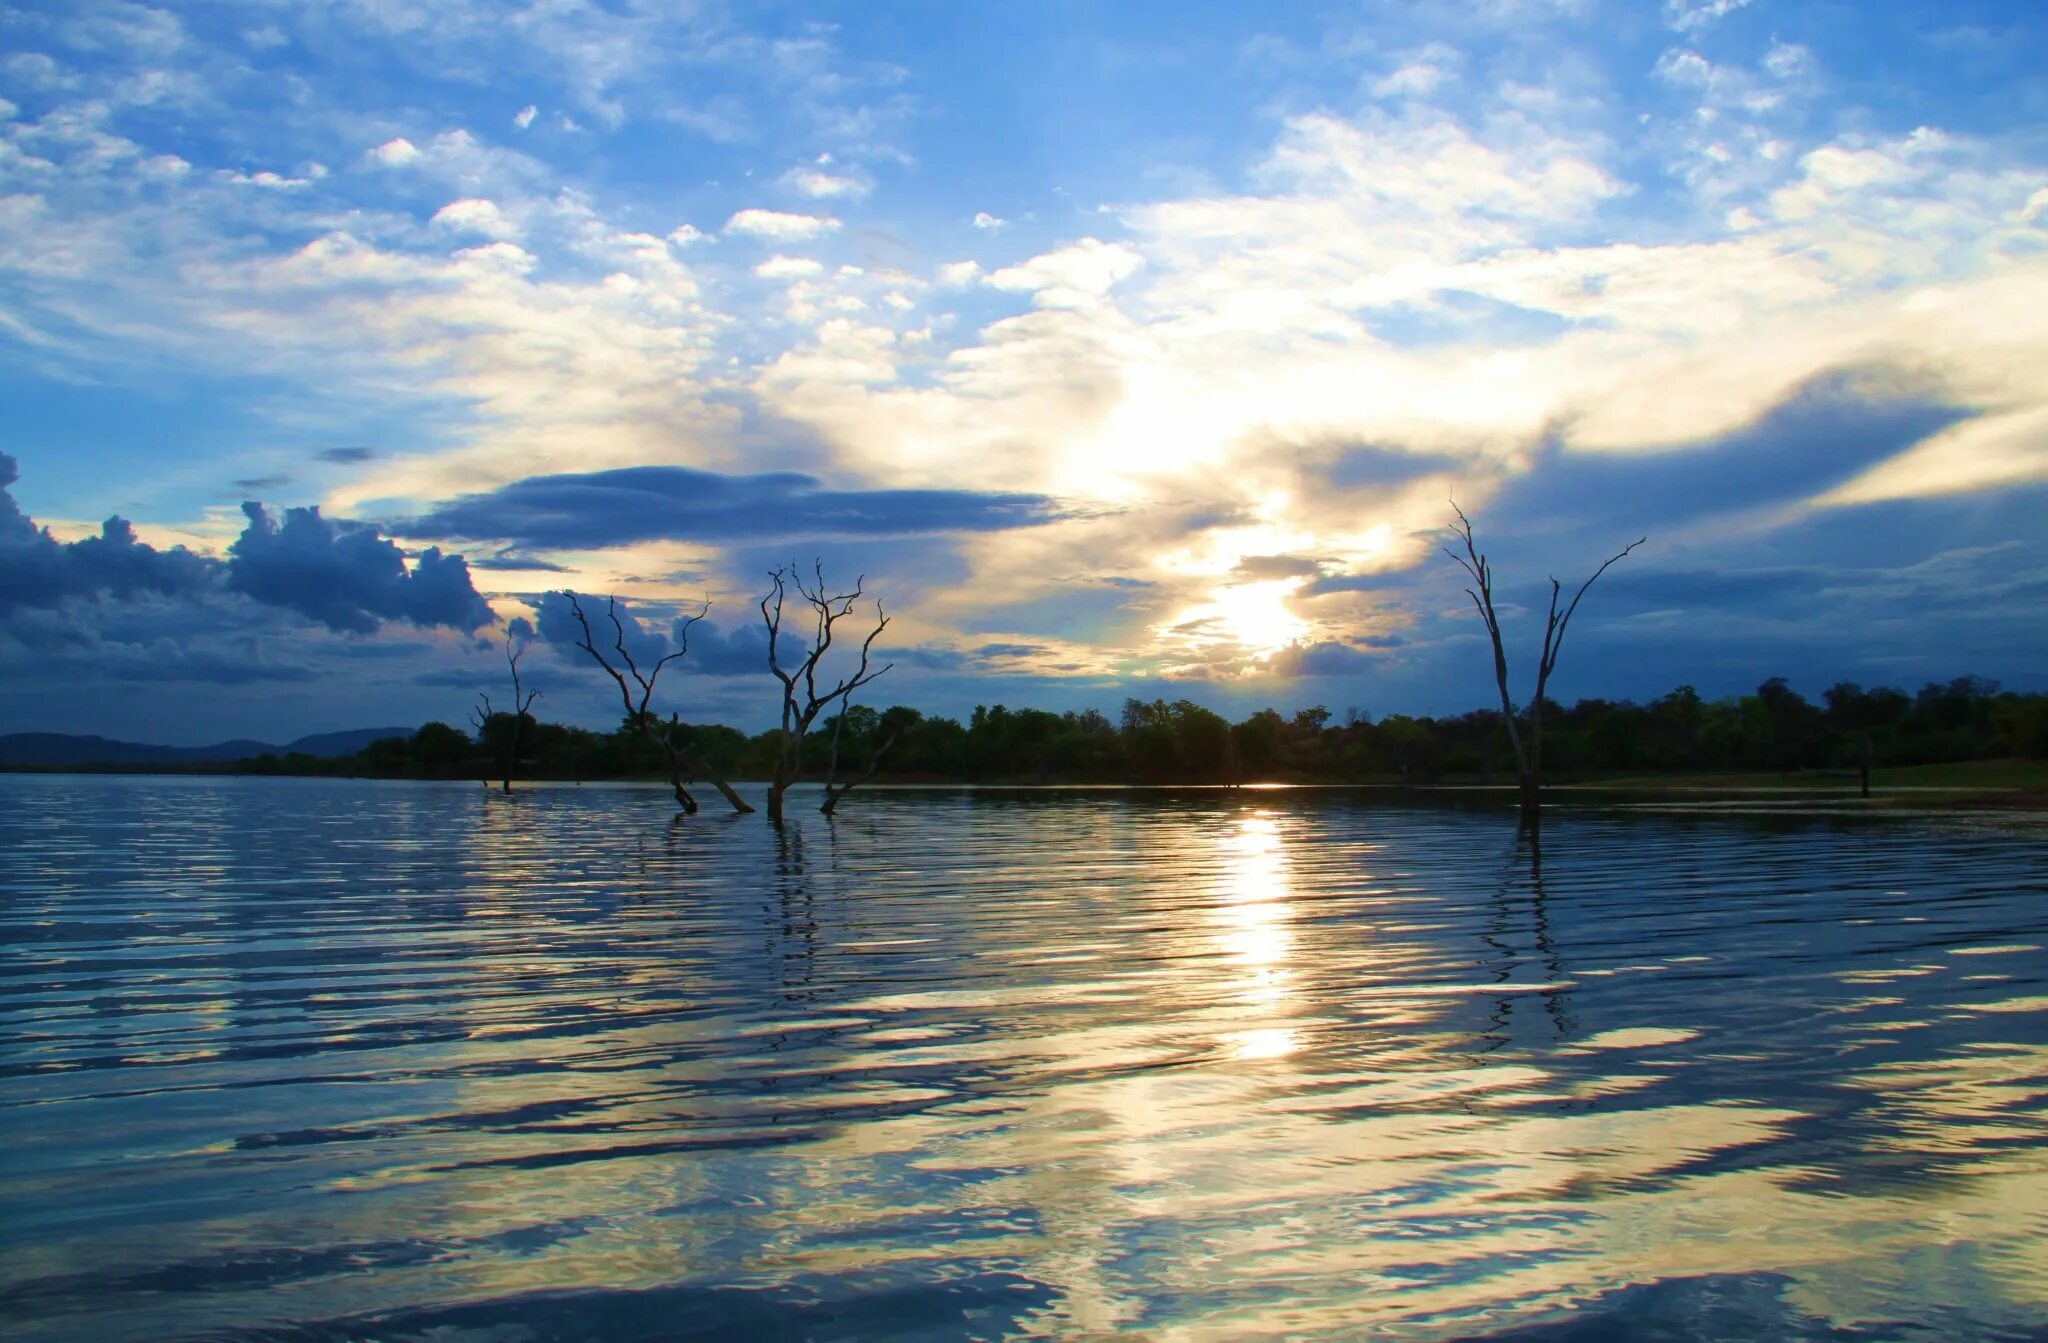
(1949, 734)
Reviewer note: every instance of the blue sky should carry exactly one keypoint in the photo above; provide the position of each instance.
(1128, 349)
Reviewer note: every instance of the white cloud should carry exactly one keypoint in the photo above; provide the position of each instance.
(270, 180)
(820, 185)
(779, 227)
(1788, 60)
(779, 267)
(984, 220)
(1691, 15)
(688, 235)
(959, 274)
(1077, 272)
(524, 117)
(395, 153)
(474, 215)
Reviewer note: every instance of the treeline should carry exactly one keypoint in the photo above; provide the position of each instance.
(1775, 729)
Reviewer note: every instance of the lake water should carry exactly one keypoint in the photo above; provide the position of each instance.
(311, 1059)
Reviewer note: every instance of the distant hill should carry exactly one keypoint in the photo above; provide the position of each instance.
(60, 748)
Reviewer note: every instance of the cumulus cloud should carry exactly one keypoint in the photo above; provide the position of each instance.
(555, 622)
(395, 153)
(347, 576)
(1083, 270)
(37, 570)
(775, 226)
(779, 267)
(616, 508)
(344, 575)
(474, 215)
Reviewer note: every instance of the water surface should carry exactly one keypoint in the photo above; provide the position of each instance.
(325, 1059)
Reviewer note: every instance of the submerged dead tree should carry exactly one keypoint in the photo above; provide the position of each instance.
(802, 700)
(682, 761)
(1529, 748)
(483, 715)
(835, 791)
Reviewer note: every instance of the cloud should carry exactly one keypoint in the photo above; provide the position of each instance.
(741, 652)
(603, 509)
(775, 226)
(781, 267)
(1319, 659)
(1076, 273)
(474, 215)
(1822, 435)
(267, 179)
(988, 222)
(820, 185)
(524, 117)
(348, 456)
(611, 623)
(348, 577)
(1692, 15)
(1260, 567)
(395, 153)
(38, 571)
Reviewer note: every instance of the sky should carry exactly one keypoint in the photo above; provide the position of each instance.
(1134, 349)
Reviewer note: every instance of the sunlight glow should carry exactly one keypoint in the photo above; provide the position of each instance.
(1251, 616)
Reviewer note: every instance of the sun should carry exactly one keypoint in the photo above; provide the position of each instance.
(1251, 616)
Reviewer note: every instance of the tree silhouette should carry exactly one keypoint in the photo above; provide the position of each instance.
(1529, 749)
(680, 758)
(802, 701)
(484, 717)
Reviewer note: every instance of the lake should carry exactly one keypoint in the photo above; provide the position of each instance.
(294, 1059)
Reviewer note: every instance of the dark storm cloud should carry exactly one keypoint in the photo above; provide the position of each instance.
(646, 503)
(508, 558)
(344, 575)
(1830, 430)
(1319, 659)
(37, 570)
(741, 652)
(556, 623)
(1371, 464)
(347, 576)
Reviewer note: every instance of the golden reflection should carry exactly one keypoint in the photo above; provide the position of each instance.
(1253, 931)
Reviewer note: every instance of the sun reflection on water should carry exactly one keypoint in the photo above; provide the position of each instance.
(1248, 1066)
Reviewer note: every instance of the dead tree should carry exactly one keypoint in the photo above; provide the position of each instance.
(681, 760)
(1529, 749)
(802, 701)
(521, 702)
(836, 791)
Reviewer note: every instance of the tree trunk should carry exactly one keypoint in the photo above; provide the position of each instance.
(702, 768)
(1532, 801)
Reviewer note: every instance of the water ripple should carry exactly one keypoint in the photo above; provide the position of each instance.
(326, 1059)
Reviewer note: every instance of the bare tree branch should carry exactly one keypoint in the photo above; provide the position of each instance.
(681, 760)
(1529, 750)
(802, 698)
